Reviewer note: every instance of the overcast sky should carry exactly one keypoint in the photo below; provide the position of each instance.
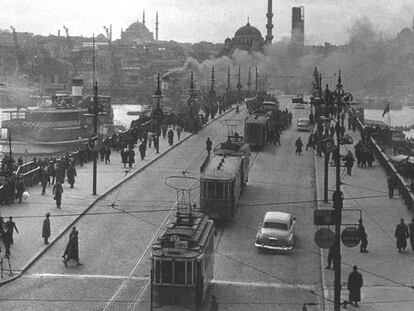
(208, 20)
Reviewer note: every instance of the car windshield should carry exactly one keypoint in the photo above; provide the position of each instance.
(275, 225)
(303, 121)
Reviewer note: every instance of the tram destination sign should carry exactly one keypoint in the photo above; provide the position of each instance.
(324, 217)
(350, 237)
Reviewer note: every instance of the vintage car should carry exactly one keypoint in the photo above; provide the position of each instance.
(303, 125)
(276, 232)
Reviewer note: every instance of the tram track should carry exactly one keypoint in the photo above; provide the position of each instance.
(138, 296)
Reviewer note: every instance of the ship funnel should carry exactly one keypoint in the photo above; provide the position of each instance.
(77, 89)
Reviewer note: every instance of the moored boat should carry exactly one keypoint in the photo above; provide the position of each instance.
(67, 122)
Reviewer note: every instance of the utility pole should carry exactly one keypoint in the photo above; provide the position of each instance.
(95, 118)
(157, 114)
(257, 80)
(249, 82)
(338, 200)
(10, 155)
(239, 87)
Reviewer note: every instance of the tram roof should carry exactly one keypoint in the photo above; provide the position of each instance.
(182, 239)
(234, 146)
(257, 119)
(228, 168)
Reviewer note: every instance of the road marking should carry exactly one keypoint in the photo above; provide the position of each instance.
(263, 284)
(84, 276)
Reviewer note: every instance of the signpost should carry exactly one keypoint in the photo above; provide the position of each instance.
(324, 238)
(350, 237)
(324, 217)
(157, 114)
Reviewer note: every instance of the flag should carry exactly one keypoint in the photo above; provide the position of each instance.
(386, 110)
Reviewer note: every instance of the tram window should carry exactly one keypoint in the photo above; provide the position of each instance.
(179, 272)
(166, 271)
(189, 272)
(157, 271)
(211, 191)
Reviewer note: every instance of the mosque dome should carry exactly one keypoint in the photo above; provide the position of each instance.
(137, 27)
(248, 31)
(137, 31)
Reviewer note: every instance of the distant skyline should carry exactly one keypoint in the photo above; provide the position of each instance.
(210, 20)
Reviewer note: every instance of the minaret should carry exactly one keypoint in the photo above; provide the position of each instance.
(143, 17)
(269, 25)
(156, 27)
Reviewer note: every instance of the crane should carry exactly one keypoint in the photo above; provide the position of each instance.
(115, 78)
(19, 54)
(70, 46)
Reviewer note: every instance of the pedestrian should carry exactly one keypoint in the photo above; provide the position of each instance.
(107, 154)
(331, 253)
(277, 137)
(131, 157)
(46, 229)
(310, 142)
(392, 183)
(411, 233)
(72, 249)
(142, 149)
(298, 145)
(355, 282)
(57, 192)
(363, 236)
(170, 137)
(149, 139)
(71, 174)
(124, 156)
(349, 162)
(179, 130)
(237, 109)
(44, 179)
(213, 304)
(401, 233)
(10, 226)
(208, 145)
(20, 188)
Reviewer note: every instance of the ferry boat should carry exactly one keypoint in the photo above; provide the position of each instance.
(62, 125)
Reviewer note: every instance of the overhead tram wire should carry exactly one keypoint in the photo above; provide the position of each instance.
(167, 209)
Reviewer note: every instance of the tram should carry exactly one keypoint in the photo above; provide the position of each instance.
(223, 178)
(256, 130)
(182, 260)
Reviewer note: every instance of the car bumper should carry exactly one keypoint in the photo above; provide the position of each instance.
(279, 248)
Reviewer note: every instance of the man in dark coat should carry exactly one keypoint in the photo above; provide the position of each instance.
(208, 145)
(355, 283)
(401, 233)
(349, 162)
(124, 156)
(44, 179)
(57, 192)
(72, 249)
(170, 137)
(142, 150)
(131, 157)
(46, 229)
(298, 145)
(20, 188)
(392, 184)
(71, 174)
(10, 227)
(363, 236)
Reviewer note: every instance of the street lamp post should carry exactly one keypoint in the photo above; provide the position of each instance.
(338, 200)
(95, 132)
(157, 113)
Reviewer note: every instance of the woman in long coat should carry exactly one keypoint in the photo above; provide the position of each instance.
(124, 156)
(72, 249)
(401, 233)
(71, 175)
(355, 283)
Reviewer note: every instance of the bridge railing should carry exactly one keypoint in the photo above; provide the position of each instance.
(402, 186)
